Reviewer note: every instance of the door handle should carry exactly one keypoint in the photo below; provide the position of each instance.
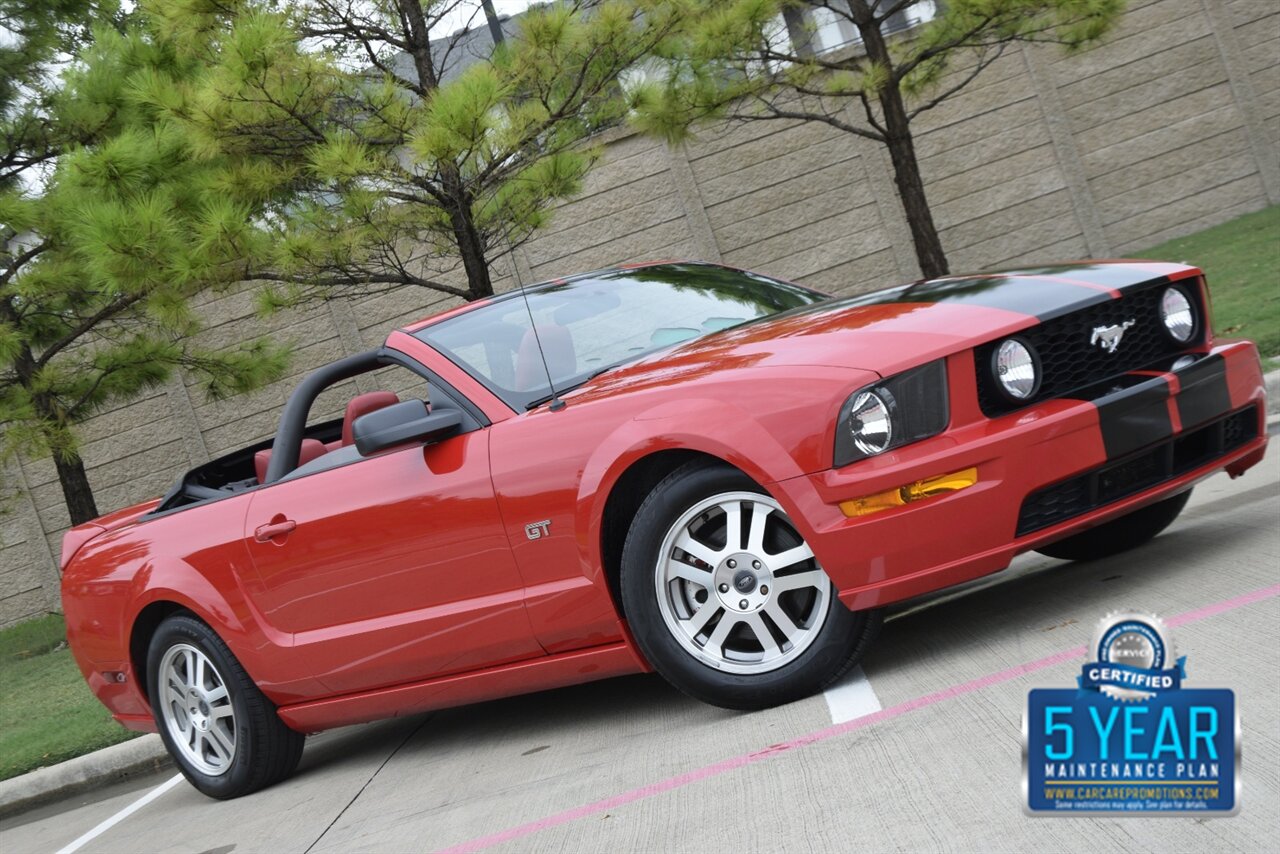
(268, 532)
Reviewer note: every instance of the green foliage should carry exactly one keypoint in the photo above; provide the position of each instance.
(47, 713)
(32, 637)
(392, 164)
(38, 33)
(110, 226)
(738, 59)
(753, 60)
(1241, 260)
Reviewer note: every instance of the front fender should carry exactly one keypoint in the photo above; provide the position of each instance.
(771, 423)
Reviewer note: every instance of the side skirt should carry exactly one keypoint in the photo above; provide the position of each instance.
(542, 674)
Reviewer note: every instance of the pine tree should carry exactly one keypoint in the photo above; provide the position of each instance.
(414, 156)
(109, 227)
(754, 60)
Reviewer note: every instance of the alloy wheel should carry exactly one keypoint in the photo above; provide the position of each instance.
(197, 709)
(737, 586)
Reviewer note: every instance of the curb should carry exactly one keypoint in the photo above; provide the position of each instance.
(113, 764)
(1272, 381)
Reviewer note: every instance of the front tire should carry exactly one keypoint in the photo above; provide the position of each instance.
(221, 730)
(725, 598)
(1119, 535)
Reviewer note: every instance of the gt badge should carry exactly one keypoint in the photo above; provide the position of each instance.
(538, 530)
(1108, 337)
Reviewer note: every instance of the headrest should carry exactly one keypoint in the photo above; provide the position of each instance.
(363, 404)
(311, 448)
(557, 348)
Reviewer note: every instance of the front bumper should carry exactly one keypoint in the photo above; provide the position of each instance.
(1044, 473)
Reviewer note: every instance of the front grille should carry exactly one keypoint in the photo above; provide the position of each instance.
(1070, 363)
(1114, 481)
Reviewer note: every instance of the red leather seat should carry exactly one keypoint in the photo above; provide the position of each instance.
(363, 404)
(311, 448)
(557, 345)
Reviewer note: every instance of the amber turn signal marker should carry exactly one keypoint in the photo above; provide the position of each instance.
(904, 495)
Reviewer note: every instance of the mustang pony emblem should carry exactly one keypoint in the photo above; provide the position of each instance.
(1108, 337)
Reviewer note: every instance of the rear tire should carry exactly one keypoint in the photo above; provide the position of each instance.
(1119, 535)
(219, 727)
(726, 600)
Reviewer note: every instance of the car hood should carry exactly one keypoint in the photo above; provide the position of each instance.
(891, 330)
(883, 338)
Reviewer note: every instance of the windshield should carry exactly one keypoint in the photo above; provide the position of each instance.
(592, 323)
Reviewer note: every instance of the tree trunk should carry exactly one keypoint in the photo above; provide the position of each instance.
(902, 149)
(470, 244)
(418, 37)
(479, 284)
(495, 26)
(906, 175)
(76, 489)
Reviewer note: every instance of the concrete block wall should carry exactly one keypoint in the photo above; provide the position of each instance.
(1171, 126)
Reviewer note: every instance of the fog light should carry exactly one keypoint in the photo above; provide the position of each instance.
(903, 495)
(1016, 369)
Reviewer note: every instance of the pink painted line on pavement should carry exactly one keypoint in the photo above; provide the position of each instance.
(742, 761)
(1220, 607)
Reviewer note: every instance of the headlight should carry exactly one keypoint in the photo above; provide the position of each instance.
(1017, 370)
(902, 409)
(1178, 315)
(869, 423)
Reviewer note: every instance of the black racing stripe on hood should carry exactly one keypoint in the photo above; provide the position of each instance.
(1117, 276)
(1043, 298)
(1203, 394)
(1044, 293)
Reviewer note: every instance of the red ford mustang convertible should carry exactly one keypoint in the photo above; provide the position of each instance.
(678, 467)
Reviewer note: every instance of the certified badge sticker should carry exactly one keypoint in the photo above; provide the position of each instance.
(1130, 738)
(1130, 654)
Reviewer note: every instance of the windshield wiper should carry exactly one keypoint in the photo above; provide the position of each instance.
(547, 398)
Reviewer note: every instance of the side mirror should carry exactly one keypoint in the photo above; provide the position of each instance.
(400, 424)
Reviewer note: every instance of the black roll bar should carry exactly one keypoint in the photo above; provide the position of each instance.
(293, 421)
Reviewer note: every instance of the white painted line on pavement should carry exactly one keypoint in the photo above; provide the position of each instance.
(122, 815)
(852, 697)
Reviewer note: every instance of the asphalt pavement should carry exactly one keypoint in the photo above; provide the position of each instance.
(921, 754)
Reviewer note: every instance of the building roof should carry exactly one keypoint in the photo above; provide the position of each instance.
(454, 53)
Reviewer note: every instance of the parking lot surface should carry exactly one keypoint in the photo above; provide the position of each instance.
(923, 752)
